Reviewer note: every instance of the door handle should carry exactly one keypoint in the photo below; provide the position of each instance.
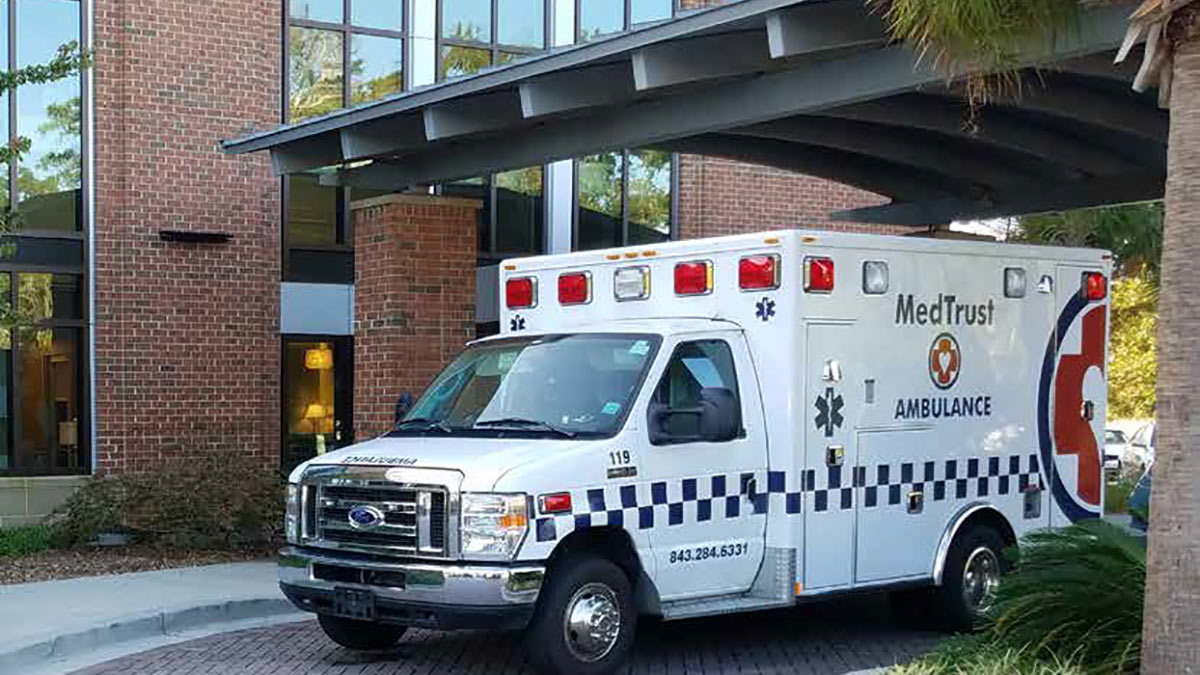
(1087, 411)
(749, 486)
(835, 455)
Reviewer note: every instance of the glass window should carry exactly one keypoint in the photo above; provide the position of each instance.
(642, 11)
(48, 296)
(49, 404)
(458, 60)
(600, 17)
(582, 384)
(329, 11)
(314, 72)
(6, 320)
(694, 368)
(382, 14)
(376, 67)
(49, 177)
(649, 196)
(520, 212)
(521, 23)
(311, 417)
(685, 5)
(312, 212)
(467, 20)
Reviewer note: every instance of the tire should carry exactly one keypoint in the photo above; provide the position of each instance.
(360, 635)
(579, 591)
(966, 594)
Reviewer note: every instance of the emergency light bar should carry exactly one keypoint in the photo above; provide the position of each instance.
(521, 293)
(818, 275)
(759, 273)
(575, 288)
(632, 283)
(694, 278)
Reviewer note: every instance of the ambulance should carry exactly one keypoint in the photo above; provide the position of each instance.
(717, 426)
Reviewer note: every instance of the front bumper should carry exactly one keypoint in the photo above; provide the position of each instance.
(444, 596)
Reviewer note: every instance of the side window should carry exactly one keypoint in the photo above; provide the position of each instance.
(697, 398)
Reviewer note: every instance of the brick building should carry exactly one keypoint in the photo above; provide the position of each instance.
(165, 299)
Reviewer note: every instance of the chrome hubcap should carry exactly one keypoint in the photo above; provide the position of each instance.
(981, 576)
(592, 622)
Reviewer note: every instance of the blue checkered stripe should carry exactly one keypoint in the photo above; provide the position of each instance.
(644, 506)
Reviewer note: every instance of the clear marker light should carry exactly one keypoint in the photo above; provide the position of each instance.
(875, 277)
(632, 283)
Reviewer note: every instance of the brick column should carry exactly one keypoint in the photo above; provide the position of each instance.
(414, 304)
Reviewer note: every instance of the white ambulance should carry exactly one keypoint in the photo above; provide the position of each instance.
(717, 426)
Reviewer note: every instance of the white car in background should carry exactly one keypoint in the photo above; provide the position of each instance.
(1141, 446)
(1116, 447)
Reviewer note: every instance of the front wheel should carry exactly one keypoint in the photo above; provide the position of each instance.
(585, 619)
(360, 635)
(973, 568)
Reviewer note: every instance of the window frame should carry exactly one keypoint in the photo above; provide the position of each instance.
(493, 46)
(676, 12)
(490, 253)
(672, 225)
(666, 372)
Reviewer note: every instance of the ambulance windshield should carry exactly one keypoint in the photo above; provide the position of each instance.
(557, 385)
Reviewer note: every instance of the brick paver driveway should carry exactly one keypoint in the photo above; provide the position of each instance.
(839, 637)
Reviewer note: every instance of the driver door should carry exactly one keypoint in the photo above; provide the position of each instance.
(706, 531)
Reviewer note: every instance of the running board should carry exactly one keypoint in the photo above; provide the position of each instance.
(772, 589)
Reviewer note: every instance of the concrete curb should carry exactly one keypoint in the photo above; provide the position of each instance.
(16, 658)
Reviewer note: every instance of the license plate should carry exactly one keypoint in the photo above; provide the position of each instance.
(352, 603)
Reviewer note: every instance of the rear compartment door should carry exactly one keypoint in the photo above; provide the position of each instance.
(831, 405)
(1073, 395)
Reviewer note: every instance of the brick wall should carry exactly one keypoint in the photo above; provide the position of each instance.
(414, 298)
(187, 347)
(720, 196)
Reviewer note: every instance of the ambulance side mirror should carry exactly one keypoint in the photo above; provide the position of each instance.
(717, 419)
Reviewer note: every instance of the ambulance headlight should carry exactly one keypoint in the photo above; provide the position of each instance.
(1014, 282)
(875, 277)
(291, 501)
(493, 525)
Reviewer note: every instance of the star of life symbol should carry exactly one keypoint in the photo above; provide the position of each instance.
(517, 323)
(766, 309)
(829, 412)
(945, 361)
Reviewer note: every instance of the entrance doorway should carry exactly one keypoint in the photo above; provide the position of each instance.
(317, 394)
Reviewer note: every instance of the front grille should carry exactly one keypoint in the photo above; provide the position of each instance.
(414, 518)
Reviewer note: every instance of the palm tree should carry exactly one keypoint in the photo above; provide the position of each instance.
(979, 41)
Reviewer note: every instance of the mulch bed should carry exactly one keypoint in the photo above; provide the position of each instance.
(90, 562)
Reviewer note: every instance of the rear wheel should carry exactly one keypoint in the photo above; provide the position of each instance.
(974, 565)
(360, 635)
(585, 619)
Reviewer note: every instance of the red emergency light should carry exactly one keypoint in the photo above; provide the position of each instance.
(574, 288)
(818, 275)
(521, 293)
(693, 278)
(1095, 286)
(758, 273)
(559, 502)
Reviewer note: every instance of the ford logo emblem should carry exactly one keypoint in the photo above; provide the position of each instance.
(365, 517)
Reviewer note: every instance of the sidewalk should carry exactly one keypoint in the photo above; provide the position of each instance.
(57, 620)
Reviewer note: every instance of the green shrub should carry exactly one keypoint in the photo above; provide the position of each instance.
(1116, 496)
(979, 655)
(1076, 592)
(24, 540)
(221, 501)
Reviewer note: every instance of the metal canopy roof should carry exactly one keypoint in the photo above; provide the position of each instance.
(807, 85)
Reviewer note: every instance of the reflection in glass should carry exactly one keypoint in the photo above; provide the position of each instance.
(308, 400)
(522, 23)
(520, 211)
(480, 189)
(641, 11)
(312, 213)
(49, 177)
(49, 405)
(317, 10)
(458, 61)
(376, 67)
(467, 20)
(382, 14)
(4, 135)
(6, 459)
(649, 196)
(685, 5)
(42, 296)
(600, 191)
(600, 17)
(314, 72)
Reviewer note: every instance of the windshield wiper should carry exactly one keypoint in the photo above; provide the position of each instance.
(522, 423)
(423, 424)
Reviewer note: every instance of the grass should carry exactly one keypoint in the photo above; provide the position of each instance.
(24, 540)
(979, 655)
